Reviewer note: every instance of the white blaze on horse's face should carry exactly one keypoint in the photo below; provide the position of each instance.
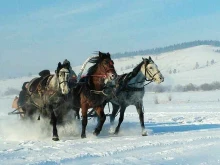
(63, 77)
(111, 74)
(152, 72)
(110, 77)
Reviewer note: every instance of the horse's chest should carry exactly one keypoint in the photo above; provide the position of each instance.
(93, 100)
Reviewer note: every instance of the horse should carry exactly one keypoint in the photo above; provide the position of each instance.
(90, 90)
(130, 91)
(45, 94)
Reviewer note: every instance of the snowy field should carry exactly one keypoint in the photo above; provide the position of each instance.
(185, 130)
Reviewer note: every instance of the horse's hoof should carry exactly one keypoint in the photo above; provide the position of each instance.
(116, 132)
(83, 136)
(96, 133)
(55, 139)
(144, 133)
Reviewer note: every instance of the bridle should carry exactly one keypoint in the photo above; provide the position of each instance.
(62, 72)
(111, 68)
(104, 76)
(147, 71)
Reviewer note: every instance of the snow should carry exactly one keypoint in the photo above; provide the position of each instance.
(185, 130)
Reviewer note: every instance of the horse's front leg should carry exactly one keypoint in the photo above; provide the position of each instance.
(139, 107)
(114, 112)
(102, 117)
(121, 118)
(84, 120)
(54, 123)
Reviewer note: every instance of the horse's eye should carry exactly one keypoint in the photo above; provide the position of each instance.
(150, 68)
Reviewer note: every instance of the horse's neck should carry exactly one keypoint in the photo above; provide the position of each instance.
(54, 83)
(137, 81)
(96, 81)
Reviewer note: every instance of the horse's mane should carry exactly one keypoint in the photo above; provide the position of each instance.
(96, 60)
(137, 69)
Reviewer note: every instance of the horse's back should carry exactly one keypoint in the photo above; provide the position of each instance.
(32, 85)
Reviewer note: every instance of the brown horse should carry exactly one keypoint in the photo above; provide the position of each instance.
(89, 92)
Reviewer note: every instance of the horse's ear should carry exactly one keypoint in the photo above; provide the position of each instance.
(59, 65)
(108, 54)
(56, 71)
(100, 54)
(150, 59)
(144, 59)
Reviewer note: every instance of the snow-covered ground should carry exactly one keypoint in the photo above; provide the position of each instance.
(185, 130)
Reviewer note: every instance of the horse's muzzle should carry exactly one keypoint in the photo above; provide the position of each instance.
(161, 78)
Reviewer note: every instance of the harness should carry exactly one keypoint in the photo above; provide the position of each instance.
(43, 88)
(101, 92)
(145, 79)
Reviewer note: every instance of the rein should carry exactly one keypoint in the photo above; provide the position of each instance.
(150, 74)
(101, 76)
(64, 80)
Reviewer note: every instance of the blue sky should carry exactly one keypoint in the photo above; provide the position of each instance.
(37, 34)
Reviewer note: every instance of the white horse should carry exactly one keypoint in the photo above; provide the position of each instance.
(45, 94)
(130, 90)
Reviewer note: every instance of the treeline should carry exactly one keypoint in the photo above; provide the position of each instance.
(165, 49)
(183, 88)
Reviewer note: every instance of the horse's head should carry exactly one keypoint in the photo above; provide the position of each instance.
(62, 74)
(104, 67)
(151, 71)
(107, 66)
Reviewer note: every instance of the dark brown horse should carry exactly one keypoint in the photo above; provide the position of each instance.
(89, 92)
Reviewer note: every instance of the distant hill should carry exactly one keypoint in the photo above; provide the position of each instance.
(159, 50)
(180, 67)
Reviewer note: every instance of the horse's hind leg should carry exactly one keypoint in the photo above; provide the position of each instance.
(54, 123)
(76, 110)
(139, 107)
(84, 121)
(102, 118)
(121, 118)
(114, 112)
